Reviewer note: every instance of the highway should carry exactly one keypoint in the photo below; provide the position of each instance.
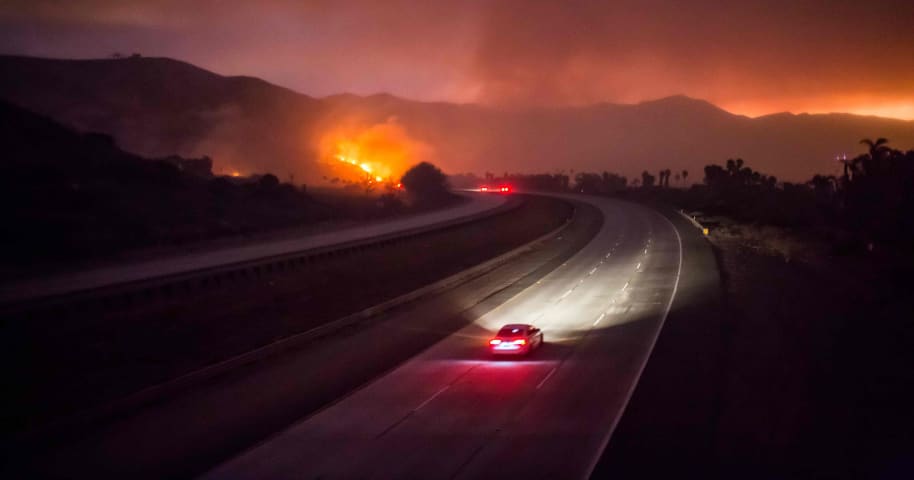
(65, 283)
(454, 412)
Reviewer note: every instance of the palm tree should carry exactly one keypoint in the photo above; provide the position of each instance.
(877, 148)
(877, 152)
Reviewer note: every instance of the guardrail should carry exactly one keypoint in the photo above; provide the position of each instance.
(196, 377)
(170, 286)
(705, 230)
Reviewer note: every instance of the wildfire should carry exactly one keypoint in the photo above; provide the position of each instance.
(351, 152)
(380, 153)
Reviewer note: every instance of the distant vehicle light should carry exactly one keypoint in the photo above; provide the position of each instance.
(483, 189)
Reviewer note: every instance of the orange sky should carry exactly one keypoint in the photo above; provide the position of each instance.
(752, 58)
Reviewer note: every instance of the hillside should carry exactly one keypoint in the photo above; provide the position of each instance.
(66, 195)
(158, 106)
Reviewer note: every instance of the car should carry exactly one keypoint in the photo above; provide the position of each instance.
(501, 189)
(516, 339)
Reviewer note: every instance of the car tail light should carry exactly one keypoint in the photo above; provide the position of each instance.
(520, 342)
(494, 341)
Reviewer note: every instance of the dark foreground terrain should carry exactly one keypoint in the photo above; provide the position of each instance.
(803, 371)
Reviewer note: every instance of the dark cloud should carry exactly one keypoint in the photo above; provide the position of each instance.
(753, 57)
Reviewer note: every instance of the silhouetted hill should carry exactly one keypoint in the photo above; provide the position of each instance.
(159, 106)
(66, 195)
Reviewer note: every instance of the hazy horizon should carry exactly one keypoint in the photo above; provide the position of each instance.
(752, 59)
(481, 104)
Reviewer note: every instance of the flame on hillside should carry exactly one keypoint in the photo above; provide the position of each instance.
(380, 153)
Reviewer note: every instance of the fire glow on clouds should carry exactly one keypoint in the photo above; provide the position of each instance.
(751, 56)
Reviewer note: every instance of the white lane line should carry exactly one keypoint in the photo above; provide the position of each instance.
(631, 388)
(599, 318)
(624, 286)
(638, 267)
(566, 294)
(429, 399)
(546, 378)
(592, 270)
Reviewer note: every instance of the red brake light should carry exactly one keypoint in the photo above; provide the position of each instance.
(520, 342)
(494, 341)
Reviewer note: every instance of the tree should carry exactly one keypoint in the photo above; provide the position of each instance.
(685, 175)
(877, 148)
(268, 182)
(425, 181)
(647, 180)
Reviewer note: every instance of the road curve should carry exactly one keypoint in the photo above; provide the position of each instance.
(453, 412)
(150, 269)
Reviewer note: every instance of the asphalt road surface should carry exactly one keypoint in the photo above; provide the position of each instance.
(114, 275)
(454, 412)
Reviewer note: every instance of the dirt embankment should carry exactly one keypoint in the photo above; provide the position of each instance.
(818, 349)
(812, 377)
(70, 363)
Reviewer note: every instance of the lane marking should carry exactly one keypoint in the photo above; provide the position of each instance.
(638, 267)
(624, 286)
(566, 294)
(631, 388)
(599, 318)
(429, 399)
(592, 270)
(546, 377)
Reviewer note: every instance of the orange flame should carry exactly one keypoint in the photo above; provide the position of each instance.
(380, 153)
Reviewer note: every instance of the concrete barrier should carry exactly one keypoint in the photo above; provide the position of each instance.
(163, 390)
(167, 286)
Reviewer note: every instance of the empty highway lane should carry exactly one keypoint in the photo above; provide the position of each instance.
(455, 412)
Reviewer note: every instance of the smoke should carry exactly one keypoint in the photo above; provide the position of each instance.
(756, 56)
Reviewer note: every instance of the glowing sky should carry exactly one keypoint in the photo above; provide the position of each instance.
(747, 57)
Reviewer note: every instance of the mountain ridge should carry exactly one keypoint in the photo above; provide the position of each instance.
(158, 106)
